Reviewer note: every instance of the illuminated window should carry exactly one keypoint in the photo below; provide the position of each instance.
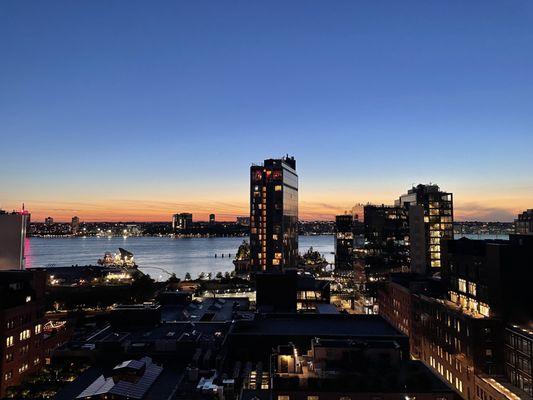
(312, 398)
(8, 376)
(484, 309)
(472, 288)
(9, 341)
(23, 368)
(284, 397)
(28, 299)
(462, 285)
(25, 334)
(277, 188)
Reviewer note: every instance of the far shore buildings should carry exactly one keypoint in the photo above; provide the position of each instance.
(181, 221)
(75, 225)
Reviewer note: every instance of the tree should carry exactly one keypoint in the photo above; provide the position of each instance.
(173, 279)
(201, 275)
(188, 276)
(244, 251)
(219, 275)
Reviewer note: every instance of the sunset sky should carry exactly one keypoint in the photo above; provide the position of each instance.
(135, 110)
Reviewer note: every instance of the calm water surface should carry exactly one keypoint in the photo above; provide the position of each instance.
(177, 256)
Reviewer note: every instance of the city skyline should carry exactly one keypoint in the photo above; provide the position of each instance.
(139, 112)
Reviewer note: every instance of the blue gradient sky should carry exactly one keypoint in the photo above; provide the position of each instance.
(135, 110)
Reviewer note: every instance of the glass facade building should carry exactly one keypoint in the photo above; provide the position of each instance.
(274, 215)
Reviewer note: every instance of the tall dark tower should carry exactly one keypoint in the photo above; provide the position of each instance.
(344, 238)
(274, 215)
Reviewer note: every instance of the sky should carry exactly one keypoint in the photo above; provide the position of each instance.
(135, 110)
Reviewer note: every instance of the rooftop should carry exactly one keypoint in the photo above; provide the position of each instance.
(316, 325)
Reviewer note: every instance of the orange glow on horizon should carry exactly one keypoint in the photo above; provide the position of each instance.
(146, 210)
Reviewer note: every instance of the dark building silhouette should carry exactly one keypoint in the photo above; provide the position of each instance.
(211, 219)
(21, 326)
(518, 354)
(430, 212)
(386, 231)
(490, 277)
(276, 291)
(524, 223)
(274, 215)
(460, 329)
(12, 239)
(344, 242)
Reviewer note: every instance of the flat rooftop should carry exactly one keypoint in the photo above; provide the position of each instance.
(316, 325)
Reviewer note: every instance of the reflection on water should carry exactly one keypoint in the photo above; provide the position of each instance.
(177, 256)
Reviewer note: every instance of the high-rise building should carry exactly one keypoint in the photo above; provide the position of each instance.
(181, 221)
(387, 237)
(48, 221)
(75, 225)
(274, 215)
(21, 326)
(430, 213)
(344, 241)
(12, 240)
(523, 225)
(211, 219)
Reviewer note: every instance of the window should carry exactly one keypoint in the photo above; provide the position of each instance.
(38, 329)
(24, 349)
(9, 341)
(462, 285)
(9, 357)
(484, 309)
(282, 397)
(8, 375)
(472, 288)
(23, 368)
(313, 398)
(28, 299)
(25, 334)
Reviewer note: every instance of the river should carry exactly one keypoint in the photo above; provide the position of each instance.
(179, 256)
